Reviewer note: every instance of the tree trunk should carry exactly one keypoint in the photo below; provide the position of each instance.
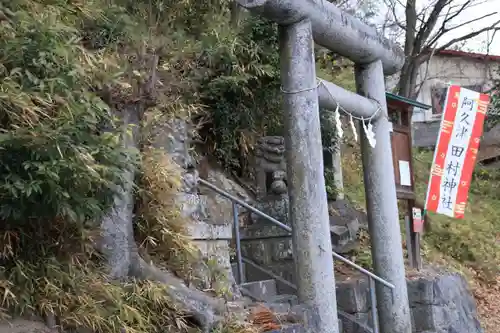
(118, 245)
(117, 235)
(236, 13)
(407, 85)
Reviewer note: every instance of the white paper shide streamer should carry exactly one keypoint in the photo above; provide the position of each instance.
(367, 126)
(370, 135)
(338, 124)
(353, 128)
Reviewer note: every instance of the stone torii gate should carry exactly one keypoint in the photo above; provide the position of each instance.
(301, 23)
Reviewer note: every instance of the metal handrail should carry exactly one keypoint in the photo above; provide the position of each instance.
(236, 201)
(289, 229)
(244, 204)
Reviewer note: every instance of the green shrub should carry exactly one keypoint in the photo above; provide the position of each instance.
(241, 90)
(62, 162)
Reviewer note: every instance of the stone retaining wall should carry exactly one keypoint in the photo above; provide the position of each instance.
(440, 303)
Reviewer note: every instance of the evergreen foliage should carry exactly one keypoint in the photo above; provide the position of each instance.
(67, 68)
(241, 91)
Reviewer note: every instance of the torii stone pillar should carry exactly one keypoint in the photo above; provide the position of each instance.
(374, 56)
(312, 247)
(381, 203)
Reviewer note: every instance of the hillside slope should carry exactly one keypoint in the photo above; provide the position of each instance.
(470, 245)
(92, 230)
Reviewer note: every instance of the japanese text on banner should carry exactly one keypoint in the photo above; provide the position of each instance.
(456, 151)
(457, 148)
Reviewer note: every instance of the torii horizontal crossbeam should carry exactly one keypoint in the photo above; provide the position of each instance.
(330, 96)
(333, 29)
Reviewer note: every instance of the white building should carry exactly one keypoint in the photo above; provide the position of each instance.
(470, 70)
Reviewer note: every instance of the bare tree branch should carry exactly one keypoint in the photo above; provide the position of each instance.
(493, 28)
(490, 41)
(425, 77)
(424, 33)
(471, 5)
(411, 23)
(443, 30)
(424, 29)
(392, 7)
(450, 16)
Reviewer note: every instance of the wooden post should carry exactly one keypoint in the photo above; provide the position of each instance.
(400, 111)
(415, 238)
(409, 243)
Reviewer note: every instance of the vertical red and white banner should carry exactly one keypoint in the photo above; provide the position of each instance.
(456, 151)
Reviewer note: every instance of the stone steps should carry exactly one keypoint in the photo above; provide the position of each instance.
(293, 328)
(440, 302)
(259, 290)
(286, 307)
(352, 297)
(292, 319)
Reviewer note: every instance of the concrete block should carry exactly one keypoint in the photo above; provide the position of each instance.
(351, 324)
(421, 291)
(443, 304)
(278, 308)
(282, 249)
(261, 290)
(258, 251)
(291, 300)
(206, 231)
(353, 296)
(340, 235)
(303, 315)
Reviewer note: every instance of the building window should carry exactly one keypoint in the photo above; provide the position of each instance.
(438, 96)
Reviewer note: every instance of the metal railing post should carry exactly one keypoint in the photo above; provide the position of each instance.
(239, 258)
(372, 278)
(373, 302)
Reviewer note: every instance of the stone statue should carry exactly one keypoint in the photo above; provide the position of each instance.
(270, 167)
(270, 178)
(278, 186)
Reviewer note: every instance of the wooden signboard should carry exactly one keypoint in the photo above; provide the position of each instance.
(401, 142)
(400, 113)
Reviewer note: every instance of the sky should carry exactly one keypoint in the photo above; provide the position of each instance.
(479, 9)
(478, 44)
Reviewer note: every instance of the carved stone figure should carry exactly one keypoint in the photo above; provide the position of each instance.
(278, 186)
(270, 179)
(270, 167)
